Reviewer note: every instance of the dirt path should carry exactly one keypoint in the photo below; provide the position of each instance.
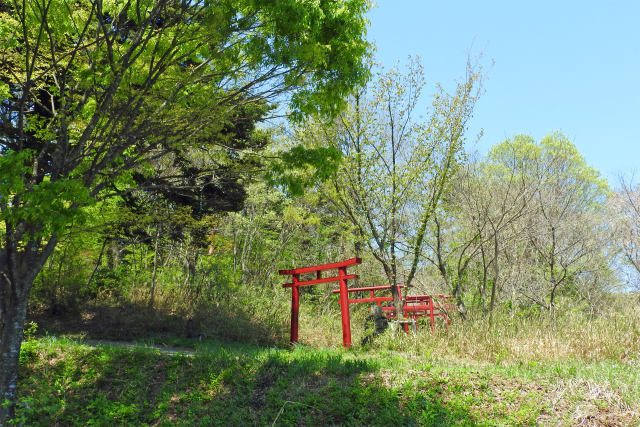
(160, 349)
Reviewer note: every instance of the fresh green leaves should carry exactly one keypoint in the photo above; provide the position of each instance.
(112, 84)
(48, 206)
(13, 165)
(300, 167)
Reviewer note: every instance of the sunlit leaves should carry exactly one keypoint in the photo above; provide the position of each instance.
(100, 96)
(300, 167)
(396, 167)
(555, 161)
(48, 206)
(12, 167)
(107, 83)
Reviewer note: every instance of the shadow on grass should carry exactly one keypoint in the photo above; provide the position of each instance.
(64, 383)
(127, 321)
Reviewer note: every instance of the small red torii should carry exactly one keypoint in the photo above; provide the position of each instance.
(415, 306)
(341, 278)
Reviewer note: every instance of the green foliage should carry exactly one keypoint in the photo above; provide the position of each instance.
(397, 168)
(318, 35)
(52, 205)
(12, 166)
(555, 159)
(524, 225)
(30, 330)
(98, 98)
(299, 168)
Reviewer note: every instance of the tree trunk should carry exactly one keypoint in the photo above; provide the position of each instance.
(397, 302)
(235, 250)
(483, 284)
(395, 292)
(98, 263)
(114, 254)
(11, 325)
(155, 268)
(18, 269)
(462, 308)
(496, 276)
(552, 268)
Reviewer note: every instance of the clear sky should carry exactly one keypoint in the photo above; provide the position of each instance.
(569, 66)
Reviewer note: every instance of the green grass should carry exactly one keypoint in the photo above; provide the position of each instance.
(561, 368)
(73, 384)
(64, 382)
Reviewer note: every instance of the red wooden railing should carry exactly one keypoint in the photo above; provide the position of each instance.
(415, 306)
(341, 278)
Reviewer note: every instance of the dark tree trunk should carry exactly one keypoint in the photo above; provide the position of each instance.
(155, 268)
(98, 263)
(11, 325)
(18, 269)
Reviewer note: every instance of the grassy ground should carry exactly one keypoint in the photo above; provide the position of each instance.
(65, 382)
(526, 368)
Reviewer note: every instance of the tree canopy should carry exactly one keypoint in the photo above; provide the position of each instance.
(396, 167)
(98, 97)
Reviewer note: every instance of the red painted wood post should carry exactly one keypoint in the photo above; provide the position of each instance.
(431, 308)
(406, 328)
(344, 308)
(295, 307)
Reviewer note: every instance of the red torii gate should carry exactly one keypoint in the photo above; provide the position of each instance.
(341, 278)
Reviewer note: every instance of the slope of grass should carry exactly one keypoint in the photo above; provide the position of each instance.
(64, 382)
(526, 368)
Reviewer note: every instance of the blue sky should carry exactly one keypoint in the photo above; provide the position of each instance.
(569, 66)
